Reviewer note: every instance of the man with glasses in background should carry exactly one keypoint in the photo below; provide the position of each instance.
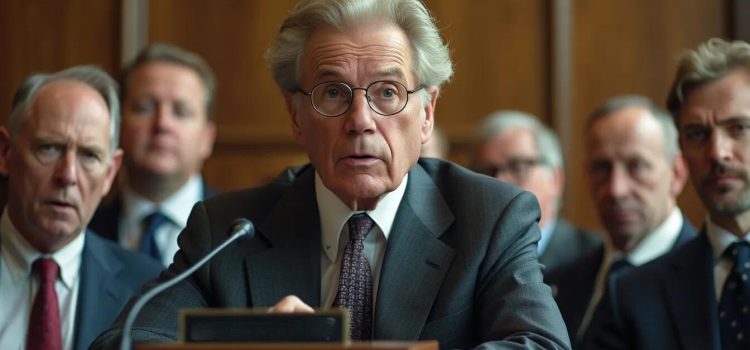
(413, 248)
(517, 148)
(635, 172)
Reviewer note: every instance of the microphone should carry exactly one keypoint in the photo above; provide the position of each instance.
(240, 228)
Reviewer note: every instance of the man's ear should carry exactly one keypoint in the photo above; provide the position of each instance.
(4, 150)
(291, 107)
(112, 170)
(429, 114)
(680, 173)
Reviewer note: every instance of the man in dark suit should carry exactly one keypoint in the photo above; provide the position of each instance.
(61, 284)
(635, 171)
(167, 133)
(414, 249)
(684, 300)
(517, 148)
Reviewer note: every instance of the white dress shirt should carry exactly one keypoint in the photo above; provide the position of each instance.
(651, 247)
(720, 239)
(18, 286)
(335, 235)
(176, 207)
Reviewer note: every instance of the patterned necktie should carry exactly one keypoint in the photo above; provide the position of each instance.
(355, 280)
(734, 316)
(44, 324)
(151, 224)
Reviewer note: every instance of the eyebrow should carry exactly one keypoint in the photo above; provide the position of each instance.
(392, 71)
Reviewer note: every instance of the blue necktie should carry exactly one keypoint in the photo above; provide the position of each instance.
(734, 316)
(355, 281)
(151, 224)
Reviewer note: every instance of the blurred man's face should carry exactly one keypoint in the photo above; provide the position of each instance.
(166, 133)
(715, 138)
(361, 155)
(59, 164)
(513, 156)
(632, 181)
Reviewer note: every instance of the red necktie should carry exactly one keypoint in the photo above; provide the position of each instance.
(44, 324)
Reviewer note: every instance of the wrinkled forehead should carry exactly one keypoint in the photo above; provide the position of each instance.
(370, 51)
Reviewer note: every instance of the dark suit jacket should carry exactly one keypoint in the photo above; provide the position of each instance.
(669, 303)
(460, 265)
(106, 220)
(567, 244)
(110, 276)
(574, 283)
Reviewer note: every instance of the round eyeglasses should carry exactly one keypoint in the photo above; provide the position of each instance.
(333, 98)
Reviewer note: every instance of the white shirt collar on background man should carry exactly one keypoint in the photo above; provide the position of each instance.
(333, 217)
(18, 286)
(720, 239)
(176, 207)
(654, 245)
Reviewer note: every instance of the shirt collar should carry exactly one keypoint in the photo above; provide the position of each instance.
(21, 254)
(658, 242)
(176, 207)
(719, 238)
(334, 213)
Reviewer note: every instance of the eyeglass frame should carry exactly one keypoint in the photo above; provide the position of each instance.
(367, 97)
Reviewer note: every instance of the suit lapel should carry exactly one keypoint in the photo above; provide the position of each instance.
(100, 294)
(291, 263)
(415, 262)
(690, 295)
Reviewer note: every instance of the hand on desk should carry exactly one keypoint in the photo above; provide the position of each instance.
(290, 304)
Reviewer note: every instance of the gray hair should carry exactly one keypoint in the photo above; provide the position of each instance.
(91, 76)
(499, 122)
(671, 137)
(432, 62)
(711, 61)
(161, 52)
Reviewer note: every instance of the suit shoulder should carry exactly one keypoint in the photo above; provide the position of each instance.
(456, 181)
(132, 261)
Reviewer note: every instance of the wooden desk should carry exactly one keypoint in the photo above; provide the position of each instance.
(376, 345)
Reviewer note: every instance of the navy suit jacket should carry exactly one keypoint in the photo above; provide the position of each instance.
(567, 244)
(669, 303)
(106, 220)
(573, 284)
(110, 276)
(460, 264)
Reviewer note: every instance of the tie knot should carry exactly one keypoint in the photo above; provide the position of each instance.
(619, 266)
(359, 226)
(155, 219)
(46, 268)
(739, 253)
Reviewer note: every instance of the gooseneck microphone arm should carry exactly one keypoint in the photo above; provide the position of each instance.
(239, 229)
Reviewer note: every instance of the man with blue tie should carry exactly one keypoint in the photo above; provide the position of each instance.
(635, 172)
(167, 133)
(697, 297)
(61, 285)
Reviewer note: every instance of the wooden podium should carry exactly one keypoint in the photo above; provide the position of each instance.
(376, 345)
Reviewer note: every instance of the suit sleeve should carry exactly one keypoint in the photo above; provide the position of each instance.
(515, 304)
(158, 320)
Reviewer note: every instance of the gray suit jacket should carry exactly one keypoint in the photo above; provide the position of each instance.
(567, 244)
(460, 265)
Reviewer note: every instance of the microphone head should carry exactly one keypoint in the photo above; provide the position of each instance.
(242, 227)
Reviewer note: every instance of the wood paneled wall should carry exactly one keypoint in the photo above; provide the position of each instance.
(502, 51)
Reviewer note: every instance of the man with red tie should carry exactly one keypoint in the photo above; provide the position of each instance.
(60, 284)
